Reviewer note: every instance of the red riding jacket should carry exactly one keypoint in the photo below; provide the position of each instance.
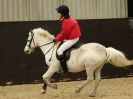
(70, 30)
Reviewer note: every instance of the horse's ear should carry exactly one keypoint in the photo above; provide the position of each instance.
(31, 30)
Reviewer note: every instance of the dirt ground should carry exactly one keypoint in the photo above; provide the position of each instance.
(118, 88)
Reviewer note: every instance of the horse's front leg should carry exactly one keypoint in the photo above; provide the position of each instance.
(46, 77)
(48, 83)
(44, 87)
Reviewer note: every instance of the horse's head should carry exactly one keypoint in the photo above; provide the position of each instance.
(30, 45)
(37, 37)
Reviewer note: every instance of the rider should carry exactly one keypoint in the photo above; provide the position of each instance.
(70, 33)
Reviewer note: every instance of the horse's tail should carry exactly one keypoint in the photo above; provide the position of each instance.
(117, 58)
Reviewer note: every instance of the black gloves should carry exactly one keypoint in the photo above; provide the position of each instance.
(54, 40)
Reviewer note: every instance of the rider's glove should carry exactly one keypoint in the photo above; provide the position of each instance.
(54, 41)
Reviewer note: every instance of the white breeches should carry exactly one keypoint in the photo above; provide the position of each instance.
(66, 45)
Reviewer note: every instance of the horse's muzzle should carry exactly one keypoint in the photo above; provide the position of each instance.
(27, 52)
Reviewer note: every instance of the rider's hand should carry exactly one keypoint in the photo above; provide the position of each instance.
(54, 41)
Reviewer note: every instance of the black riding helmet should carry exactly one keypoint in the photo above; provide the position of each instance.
(63, 10)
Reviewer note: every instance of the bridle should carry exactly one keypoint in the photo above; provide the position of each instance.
(32, 40)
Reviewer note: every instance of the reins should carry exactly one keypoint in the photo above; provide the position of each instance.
(46, 44)
(49, 50)
(52, 47)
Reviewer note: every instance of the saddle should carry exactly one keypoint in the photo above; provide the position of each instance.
(67, 53)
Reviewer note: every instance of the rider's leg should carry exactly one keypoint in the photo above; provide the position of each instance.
(63, 62)
(66, 45)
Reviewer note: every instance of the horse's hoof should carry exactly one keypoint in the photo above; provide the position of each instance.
(92, 95)
(77, 91)
(55, 86)
(43, 91)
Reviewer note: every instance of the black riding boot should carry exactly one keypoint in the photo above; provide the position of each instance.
(63, 63)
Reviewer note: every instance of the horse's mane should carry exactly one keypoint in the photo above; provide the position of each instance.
(43, 32)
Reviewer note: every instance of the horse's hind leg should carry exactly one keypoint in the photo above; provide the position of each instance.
(90, 77)
(97, 73)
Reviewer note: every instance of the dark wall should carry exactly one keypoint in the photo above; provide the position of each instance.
(130, 7)
(15, 65)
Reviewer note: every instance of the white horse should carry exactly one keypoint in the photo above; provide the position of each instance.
(90, 57)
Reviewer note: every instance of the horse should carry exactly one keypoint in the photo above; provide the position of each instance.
(90, 57)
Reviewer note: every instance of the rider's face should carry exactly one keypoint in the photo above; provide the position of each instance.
(59, 16)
